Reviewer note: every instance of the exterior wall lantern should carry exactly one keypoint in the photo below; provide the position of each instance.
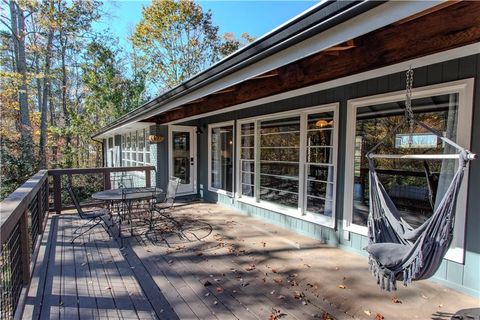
(155, 139)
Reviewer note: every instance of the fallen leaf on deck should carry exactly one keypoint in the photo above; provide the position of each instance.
(215, 302)
(281, 297)
(298, 295)
(276, 314)
(395, 300)
(84, 263)
(272, 292)
(278, 280)
(379, 316)
(250, 267)
(219, 290)
(61, 304)
(440, 305)
(304, 302)
(367, 312)
(342, 286)
(207, 294)
(274, 270)
(170, 261)
(245, 284)
(207, 283)
(424, 296)
(108, 288)
(324, 316)
(307, 265)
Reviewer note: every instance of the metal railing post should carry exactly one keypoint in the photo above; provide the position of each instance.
(57, 193)
(25, 247)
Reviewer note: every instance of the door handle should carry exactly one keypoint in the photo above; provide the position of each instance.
(192, 161)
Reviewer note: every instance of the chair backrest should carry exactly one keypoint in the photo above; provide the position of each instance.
(75, 201)
(172, 188)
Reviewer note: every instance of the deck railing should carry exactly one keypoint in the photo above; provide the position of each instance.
(23, 215)
(101, 179)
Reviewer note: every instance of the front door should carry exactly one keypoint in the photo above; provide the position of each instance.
(183, 157)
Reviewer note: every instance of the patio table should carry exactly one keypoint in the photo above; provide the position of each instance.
(129, 195)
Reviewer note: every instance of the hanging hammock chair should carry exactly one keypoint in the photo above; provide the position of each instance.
(397, 251)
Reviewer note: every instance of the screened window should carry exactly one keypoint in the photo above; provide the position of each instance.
(288, 163)
(221, 157)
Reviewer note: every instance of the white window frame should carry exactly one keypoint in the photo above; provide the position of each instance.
(300, 212)
(130, 151)
(210, 127)
(464, 89)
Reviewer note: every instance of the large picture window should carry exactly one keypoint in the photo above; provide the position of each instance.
(287, 163)
(220, 171)
(415, 186)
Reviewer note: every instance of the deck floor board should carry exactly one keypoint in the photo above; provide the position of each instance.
(222, 265)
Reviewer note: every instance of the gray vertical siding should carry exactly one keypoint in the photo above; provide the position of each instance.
(464, 277)
(159, 155)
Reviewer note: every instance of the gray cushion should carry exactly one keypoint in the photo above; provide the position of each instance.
(388, 254)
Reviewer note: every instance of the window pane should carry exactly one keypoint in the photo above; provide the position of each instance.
(181, 156)
(405, 180)
(280, 169)
(247, 141)
(280, 143)
(279, 154)
(247, 190)
(322, 120)
(319, 206)
(134, 141)
(248, 128)
(248, 166)
(247, 153)
(320, 155)
(279, 197)
(320, 173)
(141, 140)
(222, 158)
(320, 149)
(320, 137)
(248, 178)
(247, 157)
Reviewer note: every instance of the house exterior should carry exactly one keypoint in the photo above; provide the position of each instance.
(279, 130)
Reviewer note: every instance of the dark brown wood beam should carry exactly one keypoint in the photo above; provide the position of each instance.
(454, 26)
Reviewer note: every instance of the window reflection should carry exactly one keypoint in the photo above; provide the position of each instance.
(415, 186)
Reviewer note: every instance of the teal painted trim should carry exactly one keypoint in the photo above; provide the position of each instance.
(456, 287)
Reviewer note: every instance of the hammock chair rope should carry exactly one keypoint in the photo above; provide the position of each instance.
(397, 251)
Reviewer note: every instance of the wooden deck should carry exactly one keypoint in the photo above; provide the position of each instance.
(224, 266)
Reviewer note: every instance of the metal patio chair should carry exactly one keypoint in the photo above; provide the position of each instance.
(164, 203)
(93, 217)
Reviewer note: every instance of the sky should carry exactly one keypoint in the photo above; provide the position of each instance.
(254, 17)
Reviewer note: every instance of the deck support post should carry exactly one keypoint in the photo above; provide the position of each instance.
(57, 193)
(25, 247)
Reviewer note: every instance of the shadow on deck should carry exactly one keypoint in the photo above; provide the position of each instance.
(226, 266)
